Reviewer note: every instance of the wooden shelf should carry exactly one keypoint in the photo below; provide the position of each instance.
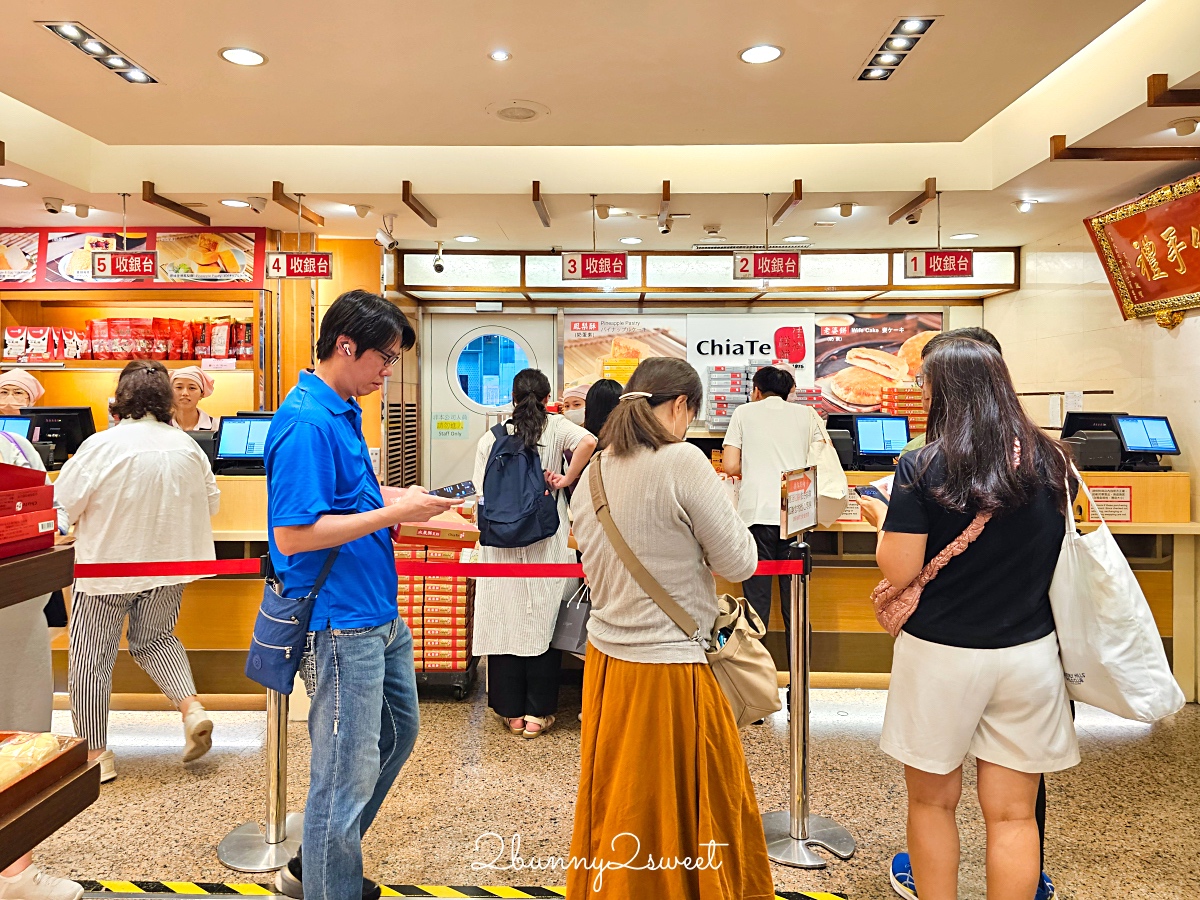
(35, 574)
(97, 300)
(34, 821)
(113, 364)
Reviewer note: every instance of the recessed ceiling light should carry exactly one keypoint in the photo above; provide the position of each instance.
(761, 53)
(797, 238)
(887, 59)
(1024, 205)
(912, 26)
(631, 240)
(237, 204)
(875, 75)
(137, 76)
(467, 239)
(243, 56)
(69, 31)
(964, 236)
(95, 48)
(900, 43)
(13, 182)
(115, 62)
(500, 55)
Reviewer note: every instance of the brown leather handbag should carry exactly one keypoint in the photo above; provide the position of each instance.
(741, 664)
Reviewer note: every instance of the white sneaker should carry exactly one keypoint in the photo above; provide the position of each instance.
(34, 884)
(108, 769)
(197, 731)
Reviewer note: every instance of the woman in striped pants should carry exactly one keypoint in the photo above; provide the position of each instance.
(141, 491)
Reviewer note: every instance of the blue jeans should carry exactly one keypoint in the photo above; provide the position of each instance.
(363, 724)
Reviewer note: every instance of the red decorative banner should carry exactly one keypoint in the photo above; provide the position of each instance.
(1150, 248)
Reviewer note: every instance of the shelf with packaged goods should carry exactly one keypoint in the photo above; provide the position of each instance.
(114, 364)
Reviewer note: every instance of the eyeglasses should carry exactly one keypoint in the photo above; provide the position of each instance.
(920, 379)
(388, 361)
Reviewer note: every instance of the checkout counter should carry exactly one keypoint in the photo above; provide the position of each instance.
(1147, 507)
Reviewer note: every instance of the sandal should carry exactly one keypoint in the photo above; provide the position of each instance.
(545, 724)
(507, 723)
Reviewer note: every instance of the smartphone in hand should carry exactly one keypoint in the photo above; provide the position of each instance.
(459, 491)
(869, 490)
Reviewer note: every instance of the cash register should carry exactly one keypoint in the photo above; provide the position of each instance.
(875, 442)
(1117, 441)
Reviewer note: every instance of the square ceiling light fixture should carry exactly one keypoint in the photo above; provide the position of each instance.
(90, 44)
(895, 47)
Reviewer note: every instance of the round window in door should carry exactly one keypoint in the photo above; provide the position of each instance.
(482, 367)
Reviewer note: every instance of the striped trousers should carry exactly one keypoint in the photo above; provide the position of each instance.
(96, 622)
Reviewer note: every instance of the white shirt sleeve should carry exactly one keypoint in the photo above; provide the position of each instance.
(482, 451)
(733, 437)
(72, 490)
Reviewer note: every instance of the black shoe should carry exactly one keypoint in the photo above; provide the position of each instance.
(759, 722)
(289, 881)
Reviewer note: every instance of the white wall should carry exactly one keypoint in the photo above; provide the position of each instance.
(1063, 332)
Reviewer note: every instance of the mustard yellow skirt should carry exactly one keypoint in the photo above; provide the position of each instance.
(666, 808)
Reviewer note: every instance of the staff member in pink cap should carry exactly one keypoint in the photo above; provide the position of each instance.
(191, 385)
(18, 389)
(574, 401)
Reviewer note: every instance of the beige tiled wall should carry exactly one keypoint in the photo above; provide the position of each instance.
(1063, 332)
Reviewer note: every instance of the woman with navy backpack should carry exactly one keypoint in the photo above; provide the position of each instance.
(523, 519)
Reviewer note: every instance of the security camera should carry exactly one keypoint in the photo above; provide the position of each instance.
(438, 265)
(665, 227)
(362, 209)
(385, 240)
(53, 204)
(913, 217)
(258, 204)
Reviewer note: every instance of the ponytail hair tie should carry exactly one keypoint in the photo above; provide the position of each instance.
(636, 395)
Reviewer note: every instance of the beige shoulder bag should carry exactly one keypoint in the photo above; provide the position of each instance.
(742, 665)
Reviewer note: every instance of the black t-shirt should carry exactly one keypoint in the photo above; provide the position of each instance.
(994, 594)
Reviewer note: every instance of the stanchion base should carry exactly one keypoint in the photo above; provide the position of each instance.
(245, 849)
(824, 833)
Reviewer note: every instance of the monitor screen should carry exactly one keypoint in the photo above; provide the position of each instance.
(20, 425)
(1147, 434)
(881, 435)
(243, 438)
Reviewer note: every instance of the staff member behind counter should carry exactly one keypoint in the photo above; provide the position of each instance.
(139, 492)
(190, 385)
(18, 390)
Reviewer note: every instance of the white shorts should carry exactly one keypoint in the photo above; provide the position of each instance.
(1006, 706)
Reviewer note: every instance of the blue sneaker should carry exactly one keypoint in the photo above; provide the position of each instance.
(1045, 889)
(901, 877)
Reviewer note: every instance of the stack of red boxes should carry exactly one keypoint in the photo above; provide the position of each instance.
(897, 401)
(28, 520)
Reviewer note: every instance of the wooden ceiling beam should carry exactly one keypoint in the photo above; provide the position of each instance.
(417, 206)
(1, 153)
(1060, 150)
(149, 195)
(922, 199)
(792, 202)
(664, 206)
(1159, 95)
(540, 205)
(280, 196)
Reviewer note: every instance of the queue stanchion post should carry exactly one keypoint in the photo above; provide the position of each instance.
(250, 847)
(791, 834)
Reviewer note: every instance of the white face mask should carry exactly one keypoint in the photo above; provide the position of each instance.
(575, 415)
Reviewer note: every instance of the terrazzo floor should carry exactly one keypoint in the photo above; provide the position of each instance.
(1125, 823)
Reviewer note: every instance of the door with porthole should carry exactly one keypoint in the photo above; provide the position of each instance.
(468, 364)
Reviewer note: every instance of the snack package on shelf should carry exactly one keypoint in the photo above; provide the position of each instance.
(98, 339)
(37, 344)
(141, 332)
(160, 332)
(219, 338)
(120, 338)
(14, 342)
(201, 348)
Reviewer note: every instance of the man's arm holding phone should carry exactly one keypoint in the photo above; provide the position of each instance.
(333, 530)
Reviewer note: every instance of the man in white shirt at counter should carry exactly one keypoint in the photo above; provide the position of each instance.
(767, 437)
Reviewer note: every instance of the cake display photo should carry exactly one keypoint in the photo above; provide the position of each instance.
(69, 253)
(612, 346)
(860, 357)
(205, 256)
(18, 256)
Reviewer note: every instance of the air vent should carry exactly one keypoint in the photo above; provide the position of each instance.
(518, 111)
(726, 248)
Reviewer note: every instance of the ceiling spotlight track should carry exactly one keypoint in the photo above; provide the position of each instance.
(895, 47)
(90, 44)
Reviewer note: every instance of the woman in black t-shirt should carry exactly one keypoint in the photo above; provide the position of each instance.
(975, 668)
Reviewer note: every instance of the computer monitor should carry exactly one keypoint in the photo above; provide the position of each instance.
(64, 426)
(880, 435)
(18, 425)
(242, 438)
(1147, 434)
(255, 413)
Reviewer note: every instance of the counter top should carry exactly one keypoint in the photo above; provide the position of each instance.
(1114, 527)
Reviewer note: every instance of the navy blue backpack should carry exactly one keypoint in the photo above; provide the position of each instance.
(518, 508)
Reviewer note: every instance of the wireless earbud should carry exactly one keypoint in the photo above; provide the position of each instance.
(346, 349)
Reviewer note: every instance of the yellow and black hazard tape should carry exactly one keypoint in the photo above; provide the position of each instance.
(169, 888)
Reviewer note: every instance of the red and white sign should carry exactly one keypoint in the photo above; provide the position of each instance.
(124, 263)
(939, 263)
(299, 265)
(775, 264)
(799, 512)
(577, 266)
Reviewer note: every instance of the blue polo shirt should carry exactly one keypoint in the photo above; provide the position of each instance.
(318, 464)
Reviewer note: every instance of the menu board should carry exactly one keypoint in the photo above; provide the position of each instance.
(54, 258)
(858, 355)
(1150, 248)
(18, 257)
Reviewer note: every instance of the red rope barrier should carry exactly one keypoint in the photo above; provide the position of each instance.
(405, 567)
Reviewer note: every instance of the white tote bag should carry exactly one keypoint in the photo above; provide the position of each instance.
(1112, 655)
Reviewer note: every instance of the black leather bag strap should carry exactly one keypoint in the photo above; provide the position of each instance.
(324, 573)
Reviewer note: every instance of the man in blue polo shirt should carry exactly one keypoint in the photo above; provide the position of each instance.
(322, 495)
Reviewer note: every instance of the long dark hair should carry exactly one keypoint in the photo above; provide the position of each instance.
(602, 399)
(633, 423)
(144, 389)
(529, 392)
(974, 417)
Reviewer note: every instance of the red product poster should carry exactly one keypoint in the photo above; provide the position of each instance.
(789, 344)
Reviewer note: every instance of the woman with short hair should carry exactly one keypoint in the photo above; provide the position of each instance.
(976, 667)
(662, 772)
(141, 491)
